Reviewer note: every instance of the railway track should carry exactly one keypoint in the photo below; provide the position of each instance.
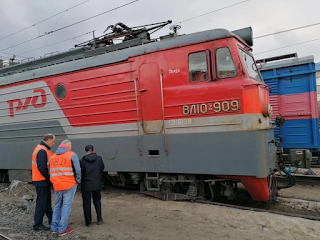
(288, 214)
(5, 237)
(10, 234)
(307, 179)
(240, 207)
(303, 179)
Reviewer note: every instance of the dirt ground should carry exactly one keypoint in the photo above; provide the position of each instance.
(306, 191)
(136, 217)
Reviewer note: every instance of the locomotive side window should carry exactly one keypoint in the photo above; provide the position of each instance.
(60, 91)
(225, 64)
(198, 66)
(250, 65)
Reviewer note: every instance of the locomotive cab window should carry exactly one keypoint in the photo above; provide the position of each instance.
(198, 67)
(225, 64)
(250, 65)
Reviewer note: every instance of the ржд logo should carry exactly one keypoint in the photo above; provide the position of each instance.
(33, 100)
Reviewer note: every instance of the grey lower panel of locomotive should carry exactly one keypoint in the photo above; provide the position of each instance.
(246, 153)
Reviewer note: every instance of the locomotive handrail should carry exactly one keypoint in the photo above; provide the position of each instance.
(137, 106)
(51, 53)
(162, 106)
(27, 59)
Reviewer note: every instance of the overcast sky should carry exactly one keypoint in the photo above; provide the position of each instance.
(264, 16)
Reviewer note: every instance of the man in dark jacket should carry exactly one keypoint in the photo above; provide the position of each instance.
(41, 180)
(91, 168)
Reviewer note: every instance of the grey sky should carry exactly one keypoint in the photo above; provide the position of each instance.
(264, 16)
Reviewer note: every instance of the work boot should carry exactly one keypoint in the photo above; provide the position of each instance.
(41, 228)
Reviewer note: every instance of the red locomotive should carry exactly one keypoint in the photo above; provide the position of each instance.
(171, 115)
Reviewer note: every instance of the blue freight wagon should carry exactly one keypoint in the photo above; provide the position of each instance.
(293, 96)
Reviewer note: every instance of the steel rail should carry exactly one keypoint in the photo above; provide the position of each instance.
(305, 216)
(303, 179)
(4, 237)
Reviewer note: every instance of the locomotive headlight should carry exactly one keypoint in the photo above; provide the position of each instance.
(267, 110)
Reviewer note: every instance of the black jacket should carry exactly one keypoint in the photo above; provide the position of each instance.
(42, 166)
(91, 168)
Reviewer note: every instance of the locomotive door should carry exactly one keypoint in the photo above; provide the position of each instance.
(151, 98)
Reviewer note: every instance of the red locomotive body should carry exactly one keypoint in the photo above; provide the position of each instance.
(169, 115)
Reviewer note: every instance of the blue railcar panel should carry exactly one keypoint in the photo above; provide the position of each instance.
(273, 83)
(301, 133)
(291, 80)
(297, 84)
(277, 133)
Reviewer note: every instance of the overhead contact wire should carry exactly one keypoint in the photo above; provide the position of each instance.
(33, 25)
(47, 33)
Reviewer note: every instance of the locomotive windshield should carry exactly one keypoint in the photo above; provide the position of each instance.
(250, 65)
(225, 64)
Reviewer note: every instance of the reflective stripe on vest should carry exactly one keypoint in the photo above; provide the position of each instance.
(62, 174)
(36, 175)
(61, 171)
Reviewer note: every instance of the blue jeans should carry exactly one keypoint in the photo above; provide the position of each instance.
(62, 209)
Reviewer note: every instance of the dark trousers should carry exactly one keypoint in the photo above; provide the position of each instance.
(86, 200)
(43, 206)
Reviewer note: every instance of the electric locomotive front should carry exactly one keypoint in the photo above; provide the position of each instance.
(217, 120)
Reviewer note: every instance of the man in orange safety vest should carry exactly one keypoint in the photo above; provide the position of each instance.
(65, 173)
(40, 178)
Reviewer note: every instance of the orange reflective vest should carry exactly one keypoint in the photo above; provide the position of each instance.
(61, 171)
(36, 175)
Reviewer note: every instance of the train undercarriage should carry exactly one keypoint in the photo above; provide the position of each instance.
(186, 187)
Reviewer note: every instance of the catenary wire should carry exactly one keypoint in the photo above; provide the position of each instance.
(288, 46)
(43, 20)
(56, 43)
(287, 30)
(261, 36)
(11, 54)
(47, 33)
(58, 21)
(91, 17)
(212, 11)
